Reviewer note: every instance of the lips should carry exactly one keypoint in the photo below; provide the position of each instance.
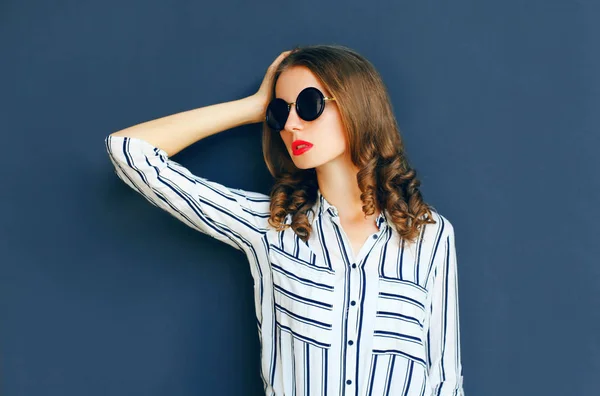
(300, 146)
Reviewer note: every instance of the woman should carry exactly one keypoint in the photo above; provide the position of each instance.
(355, 278)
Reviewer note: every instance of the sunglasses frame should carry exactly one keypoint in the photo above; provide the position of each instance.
(289, 106)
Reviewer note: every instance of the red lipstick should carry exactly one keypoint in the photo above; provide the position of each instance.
(300, 146)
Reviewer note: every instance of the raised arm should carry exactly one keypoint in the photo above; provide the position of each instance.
(175, 132)
(140, 155)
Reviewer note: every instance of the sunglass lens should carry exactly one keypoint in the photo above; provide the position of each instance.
(310, 104)
(277, 113)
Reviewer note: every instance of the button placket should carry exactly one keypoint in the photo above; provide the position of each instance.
(352, 317)
(351, 311)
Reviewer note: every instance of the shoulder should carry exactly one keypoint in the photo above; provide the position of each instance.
(443, 226)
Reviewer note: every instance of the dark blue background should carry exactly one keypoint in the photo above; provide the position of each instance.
(103, 294)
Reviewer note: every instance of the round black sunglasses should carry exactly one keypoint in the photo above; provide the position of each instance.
(309, 106)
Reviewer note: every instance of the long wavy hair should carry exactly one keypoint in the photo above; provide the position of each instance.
(385, 177)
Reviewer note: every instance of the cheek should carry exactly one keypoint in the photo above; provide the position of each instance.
(332, 140)
(334, 131)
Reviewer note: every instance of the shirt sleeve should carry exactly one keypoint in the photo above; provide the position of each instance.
(443, 336)
(234, 216)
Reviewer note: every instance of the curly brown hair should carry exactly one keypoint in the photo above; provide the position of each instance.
(385, 177)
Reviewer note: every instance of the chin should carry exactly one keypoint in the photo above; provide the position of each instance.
(303, 166)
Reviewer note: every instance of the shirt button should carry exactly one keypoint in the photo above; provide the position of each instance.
(349, 382)
(353, 265)
(352, 302)
(350, 342)
(374, 236)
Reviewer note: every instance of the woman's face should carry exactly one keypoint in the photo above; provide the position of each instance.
(326, 133)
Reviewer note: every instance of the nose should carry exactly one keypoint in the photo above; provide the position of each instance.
(293, 121)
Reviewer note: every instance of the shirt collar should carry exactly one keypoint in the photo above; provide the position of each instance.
(323, 207)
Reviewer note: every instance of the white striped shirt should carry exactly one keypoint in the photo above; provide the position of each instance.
(383, 323)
